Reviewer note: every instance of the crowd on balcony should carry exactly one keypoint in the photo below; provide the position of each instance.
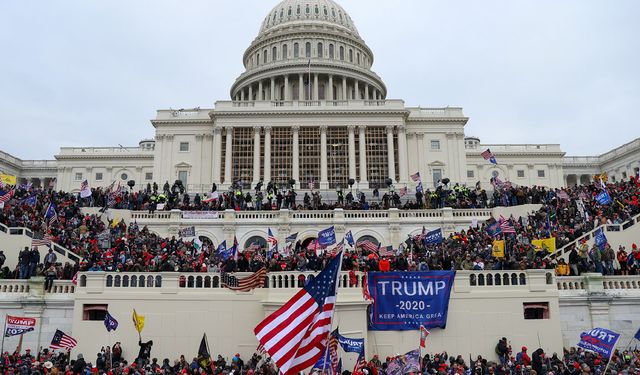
(118, 246)
(523, 362)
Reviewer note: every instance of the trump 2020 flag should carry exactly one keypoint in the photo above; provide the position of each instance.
(603, 198)
(433, 237)
(327, 236)
(110, 323)
(600, 238)
(349, 237)
(599, 340)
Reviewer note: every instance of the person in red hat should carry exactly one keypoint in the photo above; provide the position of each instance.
(523, 358)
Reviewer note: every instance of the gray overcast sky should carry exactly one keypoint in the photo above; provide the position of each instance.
(92, 73)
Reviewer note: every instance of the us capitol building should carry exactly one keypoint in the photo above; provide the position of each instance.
(310, 108)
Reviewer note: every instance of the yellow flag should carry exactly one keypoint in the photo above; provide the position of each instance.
(138, 321)
(8, 179)
(115, 222)
(548, 244)
(498, 249)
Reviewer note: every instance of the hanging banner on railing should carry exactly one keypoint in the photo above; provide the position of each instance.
(200, 214)
(405, 300)
(17, 325)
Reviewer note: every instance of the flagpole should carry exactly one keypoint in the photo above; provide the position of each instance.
(4, 333)
(333, 309)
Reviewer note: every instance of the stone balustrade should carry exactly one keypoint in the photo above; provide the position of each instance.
(34, 287)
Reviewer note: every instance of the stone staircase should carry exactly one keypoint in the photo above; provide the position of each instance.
(14, 239)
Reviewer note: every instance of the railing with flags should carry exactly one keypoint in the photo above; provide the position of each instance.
(20, 231)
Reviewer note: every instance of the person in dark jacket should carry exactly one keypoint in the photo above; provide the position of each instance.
(145, 352)
(79, 365)
(537, 358)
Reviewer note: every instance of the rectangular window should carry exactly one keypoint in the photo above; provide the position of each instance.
(437, 176)
(182, 176)
(94, 312)
(470, 174)
(148, 176)
(78, 176)
(536, 310)
(98, 176)
(540, 173)
(520, 173)
(184, 146)
(435, 144)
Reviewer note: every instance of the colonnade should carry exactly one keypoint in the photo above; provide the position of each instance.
(262, 135)
(295, 87)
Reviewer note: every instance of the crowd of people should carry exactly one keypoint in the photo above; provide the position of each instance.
(105, 245)
(573, 361)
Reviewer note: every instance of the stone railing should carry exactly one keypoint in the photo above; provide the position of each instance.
(564, 251)
(34, 287)
(21, 231)
(264, 104)
(597, 283)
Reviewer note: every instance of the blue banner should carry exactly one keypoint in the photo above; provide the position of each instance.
(599, 340)
(600, 239)
(405, 300)
(603, 198)
(351, 345)
(433, 237)
(327, 237)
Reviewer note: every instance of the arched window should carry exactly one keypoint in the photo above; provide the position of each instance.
(264, 56)
(281, 13)
(341, 53)
(257, 59)
(285, 52)
(331, 51)
(320, 50)
(358, 58)
(274, 53)
(296, 50)
(255, 243)
(298, 10)
(350, 55)
(317, 10)
(289, 12)
(307, 49)
(307, 10)
(326, 13)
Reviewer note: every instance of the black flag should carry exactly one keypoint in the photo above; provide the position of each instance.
(204, 358)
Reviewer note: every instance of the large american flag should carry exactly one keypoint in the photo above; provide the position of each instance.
(246, 284)
(45, 241)
(5, 198)
(486, 155)
(295, 335)
(367, 245)
(506, 226)
(385, 251)
(62, 340)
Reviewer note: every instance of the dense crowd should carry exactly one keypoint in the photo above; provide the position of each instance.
(118, 246)
(110, 361)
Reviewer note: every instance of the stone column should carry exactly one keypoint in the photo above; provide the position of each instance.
(352, 151)
(250, 93)
(272, 89)
(363, 156)
(301, 87)
(427, 178)
(366, 91)
(315, 87)
(267, 153)
(356, 90)
(324, 179)
(260, 93)
(228, 156)
(286, 87)
(391, 161)
(256, 155)
(330, 87)
(242, 94)
(295, 165)
(402, 154)
(344, 88)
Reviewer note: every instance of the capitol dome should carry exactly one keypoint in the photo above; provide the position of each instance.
(308, 50)
(290, 12)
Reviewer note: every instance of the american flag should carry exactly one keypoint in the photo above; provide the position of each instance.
(45, 241)
(486, 154)
(338, 248)
(423, 336)
(50, 214)
(5, 198)
(84, 185)
(295, 335)
(246, 284)
(361, 363)
(506, 226)
(385, 251)
(367, 245)
(330, 362)
(271, 239)
(62, 340)
(415, 177)
(403, 191)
